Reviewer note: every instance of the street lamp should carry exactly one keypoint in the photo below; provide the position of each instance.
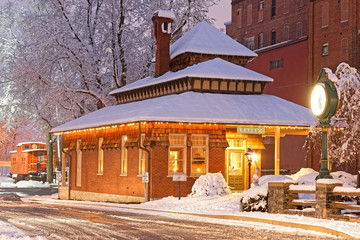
(249, 157)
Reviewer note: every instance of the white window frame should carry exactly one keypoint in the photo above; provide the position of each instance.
(78, 163)
(142, 156)
(206, 146)
(184, 146)
(100, 157)
(124, 157)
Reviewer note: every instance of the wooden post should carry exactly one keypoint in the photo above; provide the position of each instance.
(63, 169)
(277, 151)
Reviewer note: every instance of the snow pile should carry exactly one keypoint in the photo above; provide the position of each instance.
(9, 183)
(302, 172)
(32, 184)
(210, 184)
(6, 182)
(347, 179)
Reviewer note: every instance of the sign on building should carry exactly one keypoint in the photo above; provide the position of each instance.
(251, 130)
(145, 177)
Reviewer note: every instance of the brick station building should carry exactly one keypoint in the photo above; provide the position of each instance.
(197, 115)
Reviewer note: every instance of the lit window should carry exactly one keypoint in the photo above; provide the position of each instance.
(325, 49)
(124, 155)
(100, 157)
(142, 156)
(177, 153)
(199, 154)
(78, 163)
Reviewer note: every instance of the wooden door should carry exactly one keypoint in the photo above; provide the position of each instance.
(236, 169)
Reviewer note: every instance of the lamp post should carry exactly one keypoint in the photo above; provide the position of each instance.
(249, 156)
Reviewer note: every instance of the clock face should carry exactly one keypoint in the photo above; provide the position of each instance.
(318, 99)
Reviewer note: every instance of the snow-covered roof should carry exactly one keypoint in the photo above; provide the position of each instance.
(195, 107)
(13, 151)
(34, 150)
(165, 14)
(22, 143)
(206, 39)
(215, 69)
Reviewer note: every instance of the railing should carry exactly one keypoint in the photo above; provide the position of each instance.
(283, 197)
(349, 192)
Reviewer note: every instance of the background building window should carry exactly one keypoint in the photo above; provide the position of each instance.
(177, 153)
(199, 154)
(100, 156)
(261, 40)
(286, 33)
(124, 156)
(299, 4)
(249, 14)
(142, 156)
(276, 64)
(273, 8)
(325, 49)
(273, 37)
(250, 43)
(40, 156)
(261, 11)
(78, 163)
(325, 14)
(299, 29)
(286, 6)
(238, 17)
(344, 49)
(344, 5)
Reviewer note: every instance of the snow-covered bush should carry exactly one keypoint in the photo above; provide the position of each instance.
(254, 199)
(210, 184)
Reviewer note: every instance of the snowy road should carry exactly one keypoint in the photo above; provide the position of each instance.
(45, 221)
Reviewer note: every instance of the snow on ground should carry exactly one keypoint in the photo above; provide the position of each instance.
(9, 183)
(9, 232)
(216, 208)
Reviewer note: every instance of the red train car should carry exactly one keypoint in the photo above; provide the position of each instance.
(28, 161)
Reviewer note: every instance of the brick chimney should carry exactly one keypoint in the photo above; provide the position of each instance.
(162, 20)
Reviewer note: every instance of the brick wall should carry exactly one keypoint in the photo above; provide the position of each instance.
(131, 185)
(263, 22)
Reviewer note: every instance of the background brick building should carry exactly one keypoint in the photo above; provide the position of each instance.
(294, 40)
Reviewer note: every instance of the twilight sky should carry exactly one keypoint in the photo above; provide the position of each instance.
(221, 13)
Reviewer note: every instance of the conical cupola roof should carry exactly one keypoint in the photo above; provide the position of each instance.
(206, 39)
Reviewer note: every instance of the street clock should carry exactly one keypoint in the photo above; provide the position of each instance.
(324, 104)
(324, 99)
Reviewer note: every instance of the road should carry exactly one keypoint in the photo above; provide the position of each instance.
(77, 222)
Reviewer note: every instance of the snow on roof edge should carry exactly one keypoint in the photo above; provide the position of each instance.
(22, 143)
(165, 14)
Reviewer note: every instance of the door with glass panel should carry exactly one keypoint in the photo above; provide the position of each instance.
(236, 169)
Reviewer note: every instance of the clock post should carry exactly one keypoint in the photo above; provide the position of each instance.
(324, 104)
